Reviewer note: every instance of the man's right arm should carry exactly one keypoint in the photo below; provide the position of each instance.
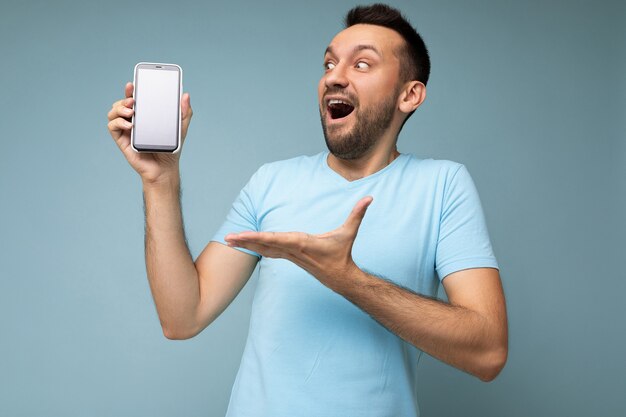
(188, 296)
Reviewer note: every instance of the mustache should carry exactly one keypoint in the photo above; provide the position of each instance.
(341, 92)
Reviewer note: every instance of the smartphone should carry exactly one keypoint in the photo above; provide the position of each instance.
(157, 116)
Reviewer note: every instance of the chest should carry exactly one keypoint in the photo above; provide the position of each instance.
(396, 240)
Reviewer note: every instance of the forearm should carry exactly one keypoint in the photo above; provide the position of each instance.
(453, 334)
(170, 268)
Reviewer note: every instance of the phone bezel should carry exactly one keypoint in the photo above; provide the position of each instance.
(164, 67)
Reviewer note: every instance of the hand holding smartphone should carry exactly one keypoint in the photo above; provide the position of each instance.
(159, 163)
(156, 120)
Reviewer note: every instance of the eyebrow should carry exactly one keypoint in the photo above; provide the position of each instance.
(356, 49)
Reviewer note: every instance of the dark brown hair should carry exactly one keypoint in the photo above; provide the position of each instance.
(414, 59)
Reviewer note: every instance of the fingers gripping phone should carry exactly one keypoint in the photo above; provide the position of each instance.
(157, 116)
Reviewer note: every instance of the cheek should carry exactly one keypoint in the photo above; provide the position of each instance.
(376, 91)
(320, 88)
(320, 93)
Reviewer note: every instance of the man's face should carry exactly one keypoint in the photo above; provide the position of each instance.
(359, 90)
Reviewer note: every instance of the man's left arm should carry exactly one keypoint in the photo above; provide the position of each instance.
(469, 332)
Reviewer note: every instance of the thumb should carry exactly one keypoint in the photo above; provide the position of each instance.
(186, 106)
(356, 215)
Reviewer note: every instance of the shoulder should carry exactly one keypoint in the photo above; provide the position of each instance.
(437, 164)
(297, 162)
(436, 177)
(437, 169)
(289, 169)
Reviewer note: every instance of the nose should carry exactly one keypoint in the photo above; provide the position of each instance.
(336, 77)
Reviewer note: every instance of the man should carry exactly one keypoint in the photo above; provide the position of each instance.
(348, 242)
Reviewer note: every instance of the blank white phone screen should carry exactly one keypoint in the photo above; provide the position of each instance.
(156, 107)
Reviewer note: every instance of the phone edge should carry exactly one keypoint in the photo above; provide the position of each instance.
(180, 98)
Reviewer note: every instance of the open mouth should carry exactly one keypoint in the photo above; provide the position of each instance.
(338, 109)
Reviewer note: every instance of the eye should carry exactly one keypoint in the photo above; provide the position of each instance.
(362, 65)
(329, 65)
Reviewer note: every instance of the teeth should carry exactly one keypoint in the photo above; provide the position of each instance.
(335, 101)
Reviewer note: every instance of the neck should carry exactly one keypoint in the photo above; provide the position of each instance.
(368, 164)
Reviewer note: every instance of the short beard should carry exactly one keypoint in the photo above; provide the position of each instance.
(369, 127)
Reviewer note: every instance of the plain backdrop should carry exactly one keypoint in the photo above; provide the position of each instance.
(529, 95)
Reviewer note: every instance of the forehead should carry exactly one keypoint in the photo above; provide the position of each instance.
(384, 39)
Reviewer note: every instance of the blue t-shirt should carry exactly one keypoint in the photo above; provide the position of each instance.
(310, 351)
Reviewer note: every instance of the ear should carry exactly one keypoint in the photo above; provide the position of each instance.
(413, 94)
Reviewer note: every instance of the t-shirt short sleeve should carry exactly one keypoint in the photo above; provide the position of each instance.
(243, 213)
(463, 237)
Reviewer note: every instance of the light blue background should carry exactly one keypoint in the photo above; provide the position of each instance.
(530, 96)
